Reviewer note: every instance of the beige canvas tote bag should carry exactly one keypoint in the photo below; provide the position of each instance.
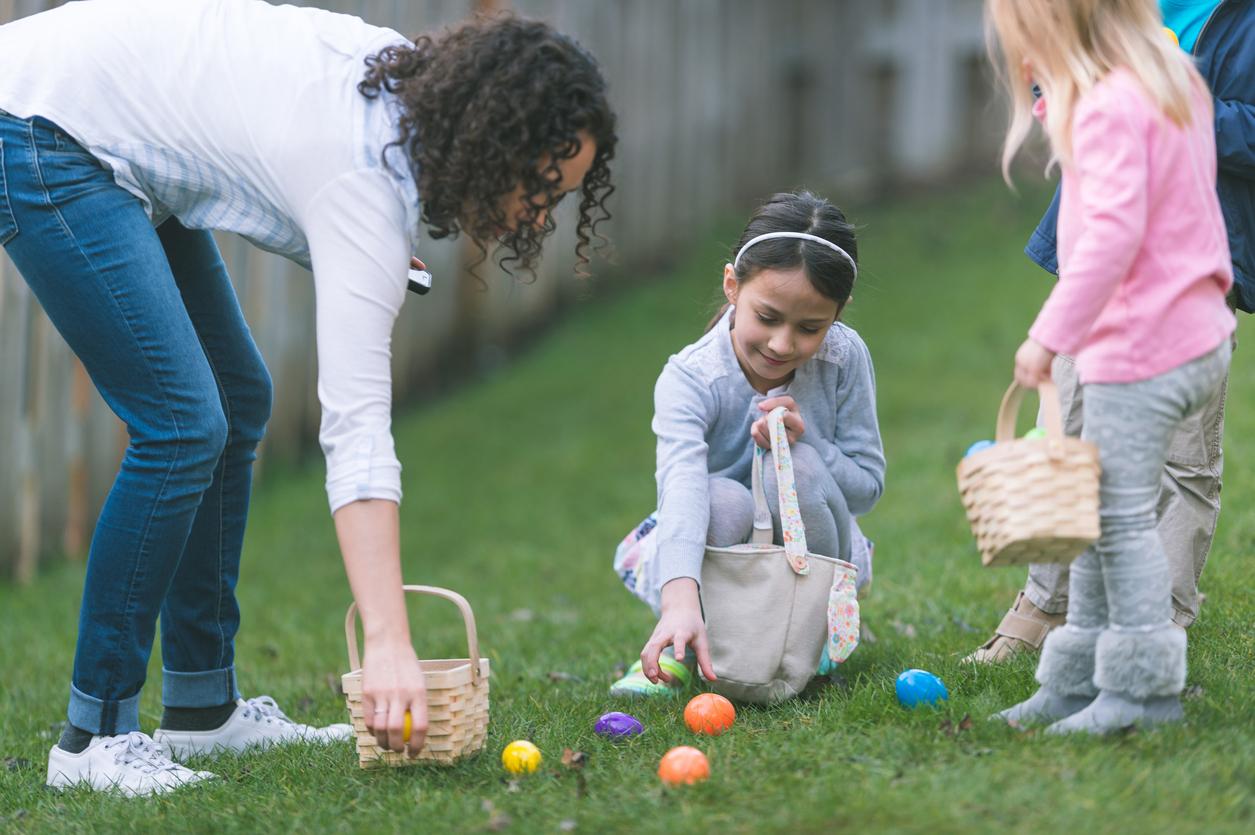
(767, 606)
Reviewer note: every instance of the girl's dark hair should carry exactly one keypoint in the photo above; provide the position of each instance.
(800, 211)
(490, 105)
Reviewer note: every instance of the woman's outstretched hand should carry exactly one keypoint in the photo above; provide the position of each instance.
(369, 531)
(794, 426)
(392, 683)
(680, 626)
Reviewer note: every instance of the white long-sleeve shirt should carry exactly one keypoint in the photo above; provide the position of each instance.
(245, 117)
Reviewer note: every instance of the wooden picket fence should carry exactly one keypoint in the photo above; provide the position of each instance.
(720, 102)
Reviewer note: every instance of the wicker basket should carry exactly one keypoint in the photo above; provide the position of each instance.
(1032, 499)
(457, 697)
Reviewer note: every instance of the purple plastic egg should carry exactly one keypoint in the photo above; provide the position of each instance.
(618, 725)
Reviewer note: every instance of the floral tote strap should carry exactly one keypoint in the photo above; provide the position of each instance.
(790, 514)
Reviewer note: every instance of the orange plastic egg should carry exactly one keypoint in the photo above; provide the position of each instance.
(709, 714)
(683, 765)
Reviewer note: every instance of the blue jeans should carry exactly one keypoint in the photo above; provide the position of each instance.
(153, 317)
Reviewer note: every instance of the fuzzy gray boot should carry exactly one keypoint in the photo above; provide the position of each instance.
(1066, 675)
(1113, 711)
(1141, 676)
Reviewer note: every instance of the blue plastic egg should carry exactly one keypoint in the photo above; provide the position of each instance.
(916, 687)
(617, 725)
(977, 447)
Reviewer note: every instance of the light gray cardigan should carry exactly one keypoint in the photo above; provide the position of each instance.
(704, 407)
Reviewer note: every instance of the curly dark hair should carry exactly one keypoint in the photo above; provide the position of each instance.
(491, 105)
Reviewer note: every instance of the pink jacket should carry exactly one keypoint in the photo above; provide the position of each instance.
(1143, 255)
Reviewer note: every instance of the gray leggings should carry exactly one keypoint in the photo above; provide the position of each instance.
(823, 506)
(1119, 635)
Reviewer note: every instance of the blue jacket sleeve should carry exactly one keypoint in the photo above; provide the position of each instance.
(1235, 138)
(1042, 245)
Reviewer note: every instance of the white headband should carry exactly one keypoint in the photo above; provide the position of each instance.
(803, 236)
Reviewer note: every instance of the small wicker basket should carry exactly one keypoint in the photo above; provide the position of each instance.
(1032, 499)
(457, 697)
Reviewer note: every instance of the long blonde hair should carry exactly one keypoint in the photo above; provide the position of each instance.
(1068, 46)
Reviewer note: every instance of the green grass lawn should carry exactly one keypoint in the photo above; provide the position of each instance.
(517, 490)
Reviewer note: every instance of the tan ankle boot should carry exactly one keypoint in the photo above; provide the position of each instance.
(1023, 629)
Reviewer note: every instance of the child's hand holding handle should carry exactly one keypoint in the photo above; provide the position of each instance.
(794, 426)
(1032, 364)
(681, 625)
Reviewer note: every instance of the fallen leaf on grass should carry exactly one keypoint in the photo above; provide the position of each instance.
(16, 763)
(865, 633)
(952, 730)
(1194, 691)
(512, 786)
(567, 825)
(576, 760)
(523, 615)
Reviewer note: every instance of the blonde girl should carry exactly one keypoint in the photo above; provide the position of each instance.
(1143, 271)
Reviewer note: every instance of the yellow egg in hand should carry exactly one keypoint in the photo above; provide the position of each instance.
(521, 757)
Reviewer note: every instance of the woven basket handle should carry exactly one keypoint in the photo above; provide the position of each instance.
(790, 514)
(1010, 408)
(468, 617)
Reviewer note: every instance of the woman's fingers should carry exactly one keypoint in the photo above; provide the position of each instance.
(396, 726)
(377, 719)
(368, 705)
(416, 264)
(418, 727)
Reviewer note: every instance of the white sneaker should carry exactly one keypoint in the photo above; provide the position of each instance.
(132, 765)
(256, 723)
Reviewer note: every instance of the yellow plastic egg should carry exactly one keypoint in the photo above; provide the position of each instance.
(521, 757)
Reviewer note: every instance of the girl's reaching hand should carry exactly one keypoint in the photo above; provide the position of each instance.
(681, 626)
(1032, 364)
(794, 426)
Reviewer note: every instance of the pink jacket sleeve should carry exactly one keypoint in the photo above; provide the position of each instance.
(1109, 173)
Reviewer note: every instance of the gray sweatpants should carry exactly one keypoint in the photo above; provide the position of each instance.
(1119, 634)
(1188, 503)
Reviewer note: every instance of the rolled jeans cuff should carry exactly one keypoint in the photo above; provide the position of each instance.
(100, 717)
(209, 688)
